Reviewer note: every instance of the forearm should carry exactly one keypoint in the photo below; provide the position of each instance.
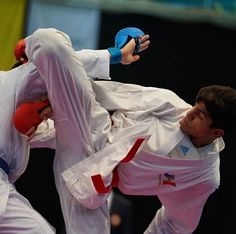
(69, 89)
(95, 62)
(181, 210)
(45, 136)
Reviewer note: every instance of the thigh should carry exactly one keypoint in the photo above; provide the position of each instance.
(77, 114)
(84, 220)
(21, 218)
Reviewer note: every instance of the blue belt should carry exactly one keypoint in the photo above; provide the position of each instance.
(4, 166)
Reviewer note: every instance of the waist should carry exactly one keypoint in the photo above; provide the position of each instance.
(4, 166)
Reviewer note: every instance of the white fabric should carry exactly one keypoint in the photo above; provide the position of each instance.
(94, 59)
(45, 136)
(18, 215)
(186, 150)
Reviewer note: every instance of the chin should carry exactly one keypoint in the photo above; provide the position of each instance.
(184, 129)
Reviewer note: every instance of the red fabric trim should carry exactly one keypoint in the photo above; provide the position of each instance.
(97, 179)
(99, 184)
(133, 150)
(115, 178)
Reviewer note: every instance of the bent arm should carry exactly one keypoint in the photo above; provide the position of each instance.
(45, 136)
(181, 211)
(96, 63)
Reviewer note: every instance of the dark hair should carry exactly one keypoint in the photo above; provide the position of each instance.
(220, 102)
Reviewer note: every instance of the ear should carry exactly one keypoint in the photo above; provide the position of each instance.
(218, 132)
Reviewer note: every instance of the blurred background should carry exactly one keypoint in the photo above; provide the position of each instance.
(192, 45)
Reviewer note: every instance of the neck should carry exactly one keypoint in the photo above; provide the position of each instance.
(200, 142)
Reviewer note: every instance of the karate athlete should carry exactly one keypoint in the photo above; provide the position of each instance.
(158, 145)
(16, 213)
(81, 124)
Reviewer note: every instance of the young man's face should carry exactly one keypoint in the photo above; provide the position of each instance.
(197, 124)
(46, 113)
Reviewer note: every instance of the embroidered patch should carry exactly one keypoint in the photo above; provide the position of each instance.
(184, 149)
(167, 179)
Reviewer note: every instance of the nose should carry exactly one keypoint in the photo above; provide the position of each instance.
(190, 115)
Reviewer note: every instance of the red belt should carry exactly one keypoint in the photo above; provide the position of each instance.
(97, 179)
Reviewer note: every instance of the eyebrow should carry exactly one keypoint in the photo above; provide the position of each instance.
(41, 110)
(205, 113)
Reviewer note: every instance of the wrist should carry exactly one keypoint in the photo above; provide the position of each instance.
(116, 55)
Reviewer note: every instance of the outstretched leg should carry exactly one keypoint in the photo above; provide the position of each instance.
(81, 123)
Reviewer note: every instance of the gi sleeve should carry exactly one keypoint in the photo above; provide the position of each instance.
(96, 63)
(45, 136)
(181, 210)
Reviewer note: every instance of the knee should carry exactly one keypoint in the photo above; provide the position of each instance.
(46, 41)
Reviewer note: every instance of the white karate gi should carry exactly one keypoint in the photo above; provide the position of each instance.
(84, 128)
(182, 185)
(16, 213)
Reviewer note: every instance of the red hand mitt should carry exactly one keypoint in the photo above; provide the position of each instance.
(27, 115)
(19, 51)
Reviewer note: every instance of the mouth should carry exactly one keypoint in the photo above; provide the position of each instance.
(183, 123)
